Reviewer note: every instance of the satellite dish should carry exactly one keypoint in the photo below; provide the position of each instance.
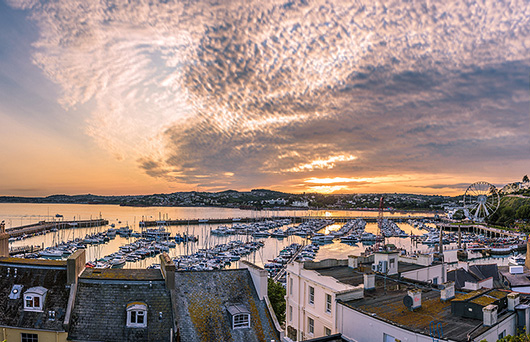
(407, 300)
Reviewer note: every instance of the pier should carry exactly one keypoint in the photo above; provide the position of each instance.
(479, 229)
(294, 219)
(43, 226)
(24, 250)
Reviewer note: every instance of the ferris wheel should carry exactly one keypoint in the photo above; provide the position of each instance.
(481, 200)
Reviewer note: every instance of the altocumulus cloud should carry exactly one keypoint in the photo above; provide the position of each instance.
(253, 93)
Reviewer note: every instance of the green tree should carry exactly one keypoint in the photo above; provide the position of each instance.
(525, 179)
(522, 337)
(276, 293)
(523, 212)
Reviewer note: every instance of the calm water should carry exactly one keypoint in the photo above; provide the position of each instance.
(22, 214)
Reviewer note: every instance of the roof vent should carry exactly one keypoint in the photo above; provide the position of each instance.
(16, 290)
(413, 300)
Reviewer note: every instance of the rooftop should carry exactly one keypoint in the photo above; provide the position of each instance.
(388, 306)
(42, 275)
(100, 310)
(21, 262)
(203, 298)
(122, 274)
(515, 280)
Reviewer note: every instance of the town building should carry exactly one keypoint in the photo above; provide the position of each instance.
(223, 305)
(34, 298)
(315, 288)
(54, 300)
(474, 277)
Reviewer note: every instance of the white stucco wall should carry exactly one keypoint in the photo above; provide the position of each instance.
(371, 329)
(298, 298)
(492, 335)
(427, 273)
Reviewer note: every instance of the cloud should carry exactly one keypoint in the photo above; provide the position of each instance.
(244, 93)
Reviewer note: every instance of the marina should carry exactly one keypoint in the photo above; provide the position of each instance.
(267, 240)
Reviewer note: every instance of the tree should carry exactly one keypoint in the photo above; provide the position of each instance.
(522, 337)
(276, 293)
(525, 179)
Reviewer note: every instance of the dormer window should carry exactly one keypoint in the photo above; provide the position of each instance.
(240, 316)
(137, 315)
(34, 298)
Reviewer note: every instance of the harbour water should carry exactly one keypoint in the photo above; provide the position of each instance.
(22, 214)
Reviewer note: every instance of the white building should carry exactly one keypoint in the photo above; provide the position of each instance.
(383, 316)
(314, 288)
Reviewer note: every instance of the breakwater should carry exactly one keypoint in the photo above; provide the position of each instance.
(294, 219)
(43, 226)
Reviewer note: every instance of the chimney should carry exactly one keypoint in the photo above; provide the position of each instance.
(490, 315)
(259, 277)
(464, 265)
(369, 281)
(447, 291)
(4, 241)
(513, 300)
(353, 262)
(167, 266)
(415, 294)
(75, 264)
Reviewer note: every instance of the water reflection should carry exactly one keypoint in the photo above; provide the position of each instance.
(31, 213)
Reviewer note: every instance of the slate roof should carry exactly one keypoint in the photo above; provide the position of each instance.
(49, 275)
(99, 312)
(202, 299)
(475, 274)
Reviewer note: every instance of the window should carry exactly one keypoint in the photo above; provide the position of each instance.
(435, 281)
(32, 302)
(240, 316)
(34, 298)
(502, 334)
(388, 338)
(29, 337)
(290, 285)
(241, 321)
(328, 303)
(311, 295)
(137, 315)
(310, 325)
(327, 331)
(290, 313)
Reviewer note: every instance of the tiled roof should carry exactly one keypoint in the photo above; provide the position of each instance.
(99, 312)
(201, 311)
(49, 275)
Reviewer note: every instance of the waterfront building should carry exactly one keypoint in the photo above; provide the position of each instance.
(34, 298)
(121, 305)
(224, 305)
(474, 277)
(53, 300)
(385, 314)
(315, 288)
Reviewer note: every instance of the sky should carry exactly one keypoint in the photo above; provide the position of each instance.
(140, 97)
